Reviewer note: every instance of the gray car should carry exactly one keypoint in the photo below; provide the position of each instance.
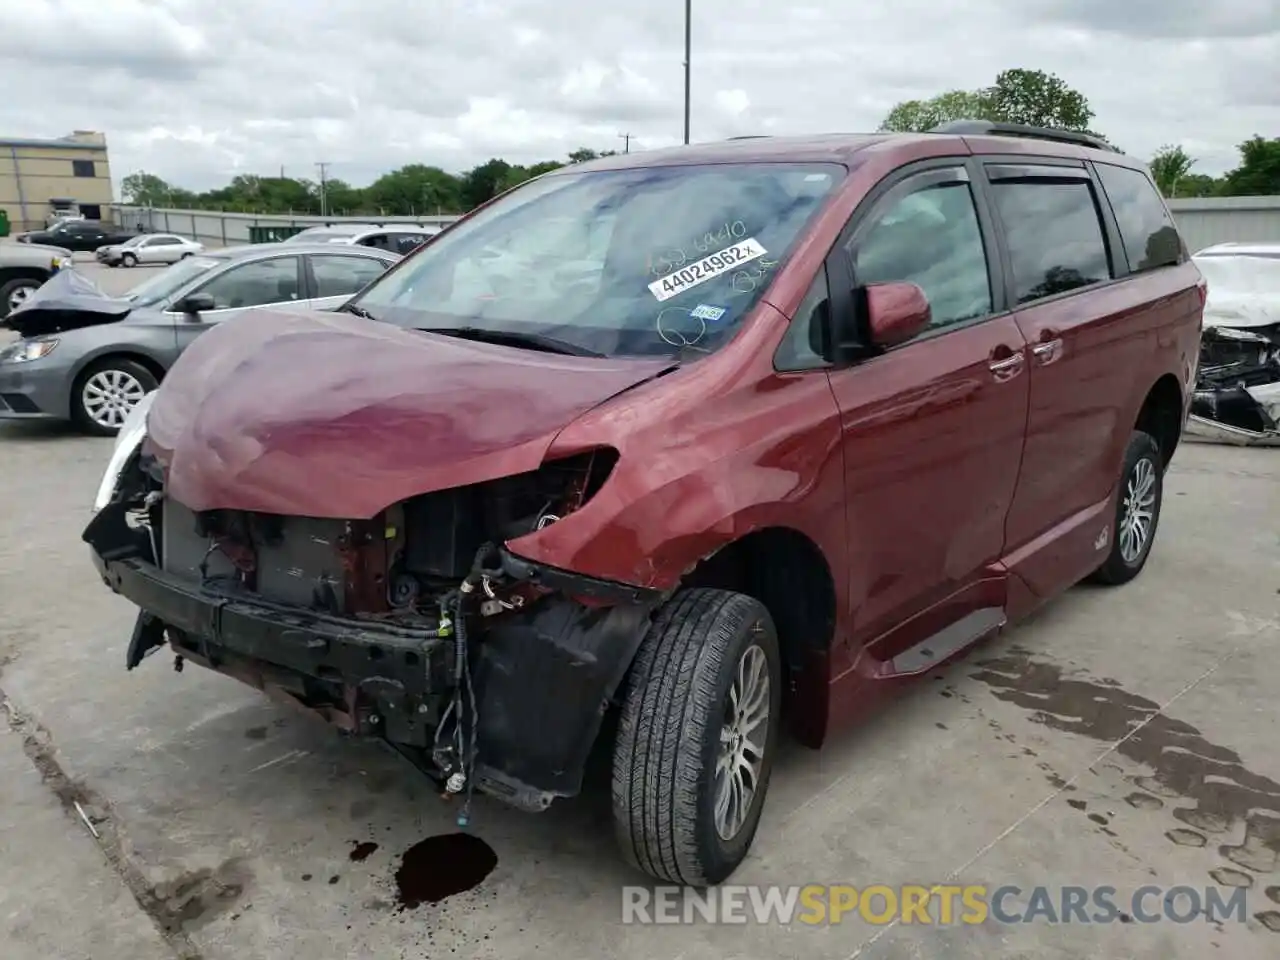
(90, 358)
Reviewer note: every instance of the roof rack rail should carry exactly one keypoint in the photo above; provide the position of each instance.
(988, 128)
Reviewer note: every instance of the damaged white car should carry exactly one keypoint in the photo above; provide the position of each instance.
(1237, 398)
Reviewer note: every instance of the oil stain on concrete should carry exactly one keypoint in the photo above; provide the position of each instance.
(1184, 764)
(440, 867)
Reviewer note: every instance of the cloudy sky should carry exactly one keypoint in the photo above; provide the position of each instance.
(199, 90)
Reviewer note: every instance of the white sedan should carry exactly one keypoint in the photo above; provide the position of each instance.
(149, 248)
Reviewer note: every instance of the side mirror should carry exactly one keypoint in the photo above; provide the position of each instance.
(195, 304)
(896, 312)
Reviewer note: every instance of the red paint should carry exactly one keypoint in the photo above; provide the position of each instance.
(328, 415)
(954, 473)
(896, 313)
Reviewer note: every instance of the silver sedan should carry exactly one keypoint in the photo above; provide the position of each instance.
(90, 358)
(153, 248)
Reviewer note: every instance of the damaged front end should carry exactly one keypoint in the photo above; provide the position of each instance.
(1237, 395)
(416, 626)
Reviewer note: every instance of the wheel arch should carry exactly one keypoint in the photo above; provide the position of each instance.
(787, 572)
(138, 356)
(1160, 415)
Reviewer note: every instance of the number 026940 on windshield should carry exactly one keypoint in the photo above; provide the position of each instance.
(700, 271)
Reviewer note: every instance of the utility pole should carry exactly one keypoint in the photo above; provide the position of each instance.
(688, 43)
(626, 142)
(324, 200)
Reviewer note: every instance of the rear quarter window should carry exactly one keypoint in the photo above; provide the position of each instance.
(1150, 236)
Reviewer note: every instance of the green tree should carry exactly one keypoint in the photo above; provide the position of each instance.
(1199, 185)
(1030, 97)
(920, 116)
(483, 183)
(1169, 167)
(413, 189)
(1038, 99)
(1259, 170)
(145, 190)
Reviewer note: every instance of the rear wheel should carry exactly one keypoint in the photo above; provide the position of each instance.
(107, 392)
(1137, 511)
(697, 737)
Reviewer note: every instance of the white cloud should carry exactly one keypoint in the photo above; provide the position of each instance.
(197, 91)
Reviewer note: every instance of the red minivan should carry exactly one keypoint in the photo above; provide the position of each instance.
(704, 440)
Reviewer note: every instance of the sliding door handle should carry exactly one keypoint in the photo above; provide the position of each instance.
(1008, 367)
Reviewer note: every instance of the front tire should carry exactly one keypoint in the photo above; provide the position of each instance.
(697, 737)
(15, 293)
(1138, 503)
(106, 392)
(129, 260)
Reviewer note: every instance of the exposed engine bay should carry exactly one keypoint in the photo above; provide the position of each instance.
(1238, 386)
(1237, 394)
(416, 626)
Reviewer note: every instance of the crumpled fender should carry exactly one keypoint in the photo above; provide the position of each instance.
(701, 464)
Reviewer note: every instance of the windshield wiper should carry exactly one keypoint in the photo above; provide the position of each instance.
(533, 341)
(358, 310)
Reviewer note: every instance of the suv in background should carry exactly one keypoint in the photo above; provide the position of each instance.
(774, 427)
(23, 268)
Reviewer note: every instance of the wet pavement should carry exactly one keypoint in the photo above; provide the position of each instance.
(1123, 737)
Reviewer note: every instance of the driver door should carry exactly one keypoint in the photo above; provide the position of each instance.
(276, 281)
(932, 429)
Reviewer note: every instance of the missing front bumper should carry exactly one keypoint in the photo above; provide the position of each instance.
(544, 675)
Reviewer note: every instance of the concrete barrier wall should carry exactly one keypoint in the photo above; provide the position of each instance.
(217, 229)
(1205, 221)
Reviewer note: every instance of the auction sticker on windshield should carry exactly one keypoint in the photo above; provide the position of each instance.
(700, 271)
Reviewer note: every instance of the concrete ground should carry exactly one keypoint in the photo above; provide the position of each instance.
(1124, 737)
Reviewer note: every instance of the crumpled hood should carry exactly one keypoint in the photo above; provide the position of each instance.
(1244, 291)
(66, 301)
(331, 415)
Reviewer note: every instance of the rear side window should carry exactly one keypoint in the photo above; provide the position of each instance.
(338, 276)
(1149, 234)
(1054, 235)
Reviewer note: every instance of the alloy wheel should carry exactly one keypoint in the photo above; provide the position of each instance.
(742, 742)
(18, 296)
(109, 396)
(1139, 510)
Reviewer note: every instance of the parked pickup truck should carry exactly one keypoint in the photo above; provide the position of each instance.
(23, 268)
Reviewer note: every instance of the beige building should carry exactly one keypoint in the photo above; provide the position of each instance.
(40, 177)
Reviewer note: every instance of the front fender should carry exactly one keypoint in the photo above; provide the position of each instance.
(654, 520)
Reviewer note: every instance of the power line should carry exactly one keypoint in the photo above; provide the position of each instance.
(324, 199)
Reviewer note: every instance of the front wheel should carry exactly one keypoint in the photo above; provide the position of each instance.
(1138, 504)
(697, 737)
(129, 260)
(107, 392)
(15, 293)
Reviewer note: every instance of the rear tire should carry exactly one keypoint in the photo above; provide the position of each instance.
(682, 737)
(105, 392)
(1138, 501)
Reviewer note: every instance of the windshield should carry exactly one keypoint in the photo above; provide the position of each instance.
(166, 283)
(135, 241)
(643, 262)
